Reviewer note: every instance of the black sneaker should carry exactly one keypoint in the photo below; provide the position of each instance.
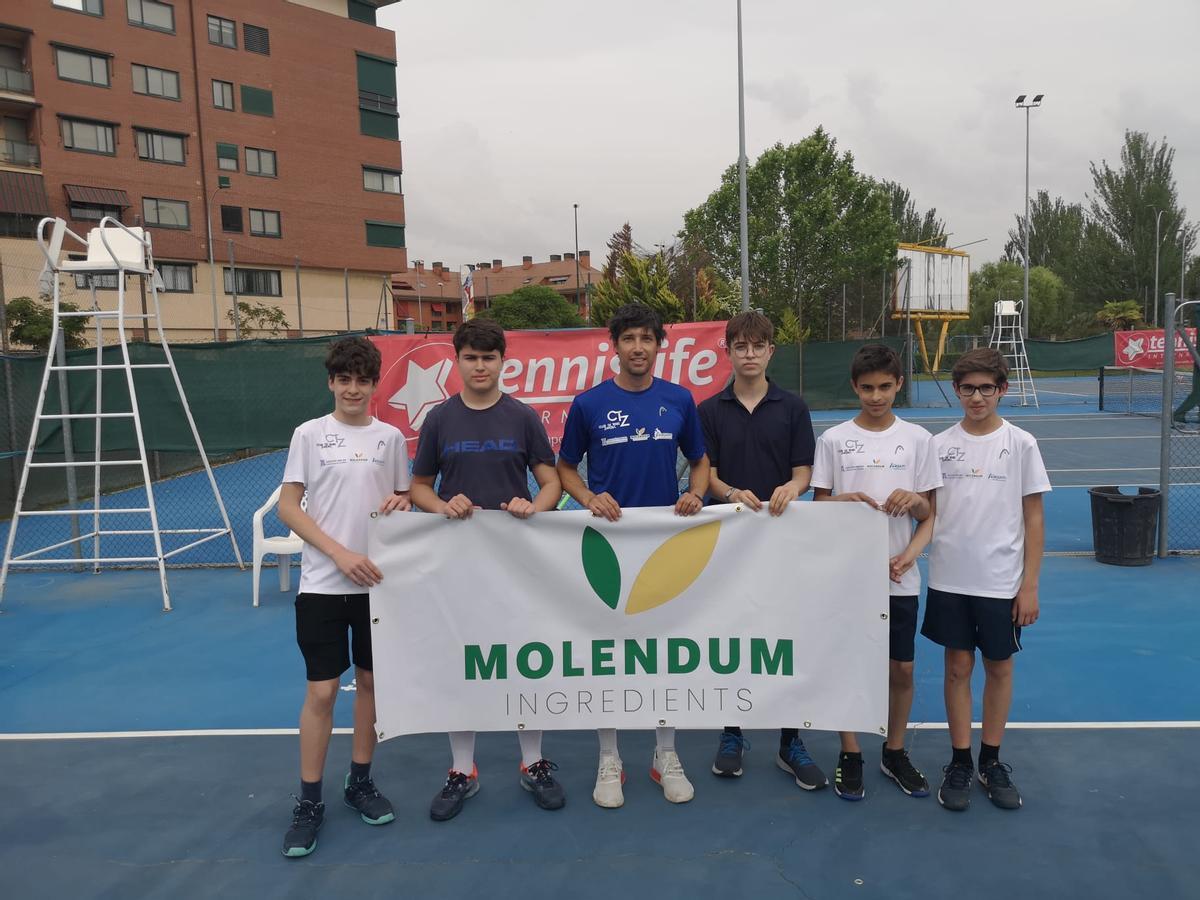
(848, 777)
(897, 766)
(728, 763)
(307, 819)
(993, 775)
(371, 805)
(794, 760)
(450, 799)
(547, 793)
(955, 792)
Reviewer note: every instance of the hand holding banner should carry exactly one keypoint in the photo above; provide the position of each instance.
(563, 620)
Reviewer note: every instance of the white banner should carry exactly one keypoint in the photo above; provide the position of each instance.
(564, 620)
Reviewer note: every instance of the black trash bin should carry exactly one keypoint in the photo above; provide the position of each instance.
(1125, 526)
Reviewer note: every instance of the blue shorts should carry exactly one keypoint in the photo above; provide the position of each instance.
(964, 622)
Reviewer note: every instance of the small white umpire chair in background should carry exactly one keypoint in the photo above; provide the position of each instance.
(1009, 338)
(114, 250)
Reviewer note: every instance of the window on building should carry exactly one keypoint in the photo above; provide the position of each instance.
(151, 14)
(559, 279)
(231, 218)
(222, 32)
(227, 157)
(257, 101)
(159, 146)
(264, 222)
(385, 234)
(87, 282)
(257, 39)
(360, 11)
(385, 180)
(155, 82)
(165, 213)
(377, 97)
(222, 94)
(91, 7)
(94, 212)
(88, 137)
(260, 162)
(178, 278)
(82, 66)
(254, 282)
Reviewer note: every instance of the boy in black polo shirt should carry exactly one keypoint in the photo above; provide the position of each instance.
(760, 445)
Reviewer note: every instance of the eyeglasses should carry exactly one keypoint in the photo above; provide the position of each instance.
(757, 349)
(969, 390)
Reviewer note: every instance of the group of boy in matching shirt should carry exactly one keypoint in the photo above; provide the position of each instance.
(971, 494)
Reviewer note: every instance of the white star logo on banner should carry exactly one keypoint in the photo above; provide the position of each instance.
(424, 388)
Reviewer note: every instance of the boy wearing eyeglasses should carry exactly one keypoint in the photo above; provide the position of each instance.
(760, 445)
(984, 564)
(889, 464)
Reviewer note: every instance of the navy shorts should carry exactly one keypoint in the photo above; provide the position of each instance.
(903, 632)
(322, 623)
(964, 622)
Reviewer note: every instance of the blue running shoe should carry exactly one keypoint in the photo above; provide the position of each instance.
(794, 760)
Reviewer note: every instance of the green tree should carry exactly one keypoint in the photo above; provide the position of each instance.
(636, 280)
(912, 226)
(815, 222)
(533, 306)
(30, 322)
(265, 318)
(1121, 315)
(1050, 312)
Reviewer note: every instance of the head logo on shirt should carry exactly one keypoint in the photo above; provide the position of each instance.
(1003, 453)
(899, 449)
(668, 572)
(381, 445)
(662, 411)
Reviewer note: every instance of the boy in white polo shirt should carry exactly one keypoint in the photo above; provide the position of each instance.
(984, 565)
(881, 460)
(350, 464)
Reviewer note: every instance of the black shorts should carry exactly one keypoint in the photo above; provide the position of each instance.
(902, 637)
(964, 622)
(322, 621)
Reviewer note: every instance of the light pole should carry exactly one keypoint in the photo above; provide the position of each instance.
(419, 264)
(1021, 104)
(212, 270)
(742, 214)
(576, 205)
(1157, 247)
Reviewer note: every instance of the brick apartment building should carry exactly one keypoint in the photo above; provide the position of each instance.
(432, 296)
(271, 121)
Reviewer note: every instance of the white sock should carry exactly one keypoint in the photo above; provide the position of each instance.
(664, 738)
(462, 751)
(531, 747)
(608, 741)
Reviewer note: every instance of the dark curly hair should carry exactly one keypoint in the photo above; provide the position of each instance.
(353, 356)
(875, 358)
(635, 315)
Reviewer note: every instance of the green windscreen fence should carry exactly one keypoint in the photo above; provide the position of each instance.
(826, 371)
(1086, 354)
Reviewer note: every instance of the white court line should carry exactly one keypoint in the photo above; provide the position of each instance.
(1131, 469)
(271, 732)
(1155, 485)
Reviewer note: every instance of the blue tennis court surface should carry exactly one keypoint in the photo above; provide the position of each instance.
(107, 795)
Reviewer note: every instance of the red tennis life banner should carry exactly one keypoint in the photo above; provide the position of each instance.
(544, 369)
(1144, 349)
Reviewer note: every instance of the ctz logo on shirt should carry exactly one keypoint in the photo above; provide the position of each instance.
(851, 446)
(332, 440)
(616, 419)
(954, 454)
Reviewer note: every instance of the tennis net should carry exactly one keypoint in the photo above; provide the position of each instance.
(1139, 392)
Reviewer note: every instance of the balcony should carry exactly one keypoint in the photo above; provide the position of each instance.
(16, 81)
(18, 153)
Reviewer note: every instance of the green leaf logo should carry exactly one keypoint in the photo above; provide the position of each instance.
(601, 567)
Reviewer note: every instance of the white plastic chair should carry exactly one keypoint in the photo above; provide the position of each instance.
(283, 547)
(111, 248)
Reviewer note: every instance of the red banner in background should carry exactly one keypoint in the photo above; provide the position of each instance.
(544, 369)
(1144, 349)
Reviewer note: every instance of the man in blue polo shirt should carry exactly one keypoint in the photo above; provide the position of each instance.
(761, 447)
(631, 429)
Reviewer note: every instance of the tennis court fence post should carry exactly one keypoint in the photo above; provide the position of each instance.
(1168, 410)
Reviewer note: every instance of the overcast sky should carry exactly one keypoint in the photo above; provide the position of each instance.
(512, 111)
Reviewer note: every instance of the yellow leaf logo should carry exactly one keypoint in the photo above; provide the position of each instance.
(672, 568)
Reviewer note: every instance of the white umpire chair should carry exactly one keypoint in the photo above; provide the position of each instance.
(283, 546)
(118, 251)
(1008, 336)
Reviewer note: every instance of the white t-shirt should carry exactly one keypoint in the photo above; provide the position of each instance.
(850, 458)
(979, 534)
(348, 470)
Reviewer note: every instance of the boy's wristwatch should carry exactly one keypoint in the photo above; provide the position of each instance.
(729, 493)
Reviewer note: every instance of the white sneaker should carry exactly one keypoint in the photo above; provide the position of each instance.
(609, 778)
(668, 772)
